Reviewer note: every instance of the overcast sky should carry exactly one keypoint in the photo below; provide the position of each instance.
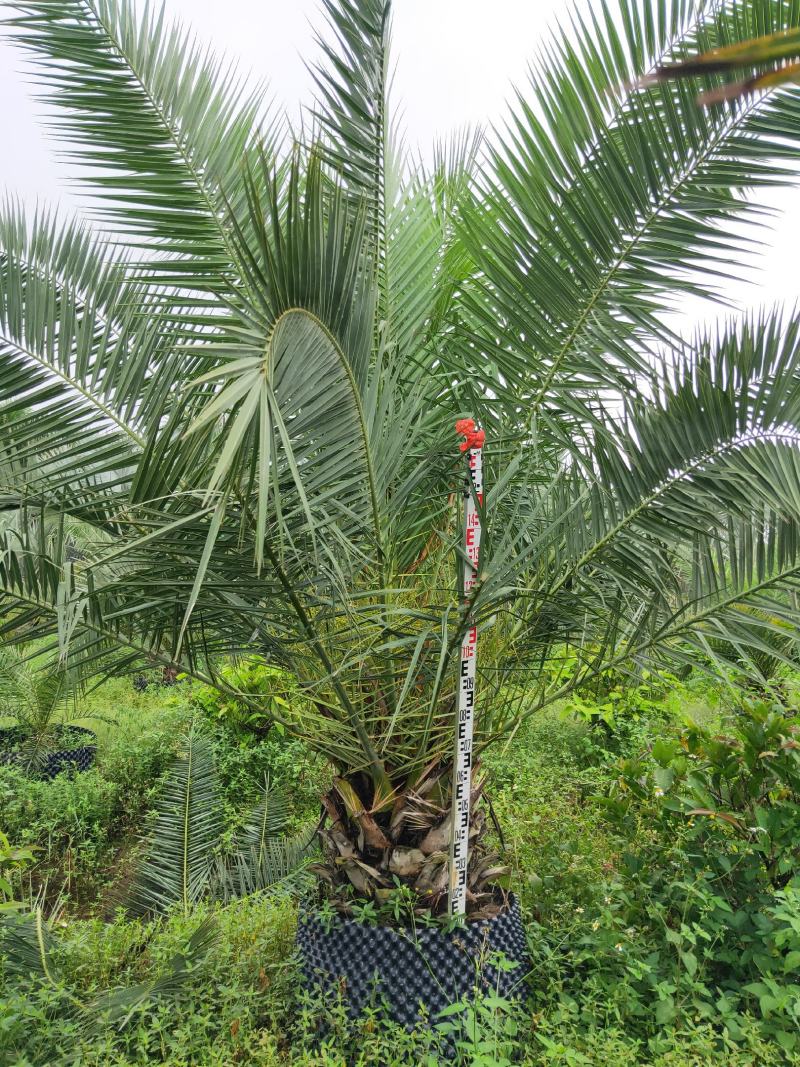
(456, 62)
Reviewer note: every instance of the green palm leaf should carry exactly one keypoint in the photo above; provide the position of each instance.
(782, 48)
(597, 213)
(179, 860)
(161, 139)
(282, 861)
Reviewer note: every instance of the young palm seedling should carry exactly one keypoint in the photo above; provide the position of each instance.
(37, 701)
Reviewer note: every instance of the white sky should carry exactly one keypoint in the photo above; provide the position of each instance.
(456, 62)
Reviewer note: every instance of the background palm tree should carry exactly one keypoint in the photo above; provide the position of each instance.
(252, 404)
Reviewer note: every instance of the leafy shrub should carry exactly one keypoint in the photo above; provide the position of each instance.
(713, 830)
(250, 747)
(13, 861)
(636, 957)
(136, 753)
(648, 919)
(622, 714)
(70, 819)
(79, 823)
(231, 1008)
(242, 769)
(273, 690)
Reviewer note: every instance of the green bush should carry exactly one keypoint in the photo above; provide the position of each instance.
(134, 755)
(539, 789)
(70, 819)
(272, 690)
(230, 1009)
(301, 776)
(79, 823)
(251, 747)
(659, 889)
(622, 714)
(704, 913)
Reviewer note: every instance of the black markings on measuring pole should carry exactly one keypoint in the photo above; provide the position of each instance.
(462, 777)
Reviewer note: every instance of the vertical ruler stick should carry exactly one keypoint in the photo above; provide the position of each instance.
(462, 762)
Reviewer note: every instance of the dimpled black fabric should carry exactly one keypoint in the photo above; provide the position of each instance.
(79, 758)
(377, 964)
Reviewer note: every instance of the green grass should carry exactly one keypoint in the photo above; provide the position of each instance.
(116, 708)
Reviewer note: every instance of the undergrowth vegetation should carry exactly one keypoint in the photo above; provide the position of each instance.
(653, 851)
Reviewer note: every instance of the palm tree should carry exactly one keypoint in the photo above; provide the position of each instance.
(36, 700)
(248, 392)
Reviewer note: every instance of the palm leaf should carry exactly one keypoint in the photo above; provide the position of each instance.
(178, 863)
(27, 942)
(782, 48)
(167, 139)
(352, 86)
(280, 861)
(266, 819)
(596, 211)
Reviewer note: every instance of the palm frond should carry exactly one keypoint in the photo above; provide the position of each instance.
(179, 860)
(16, 683)
(598, 212)
(78, 383)
(27, 943)
(159, 136)
(352, 85)
(266, 819)
(781, 48)
(280, 861)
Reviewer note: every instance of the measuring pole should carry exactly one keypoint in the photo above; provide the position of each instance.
(462, 763)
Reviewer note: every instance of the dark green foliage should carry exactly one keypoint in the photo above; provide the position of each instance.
(137, 751)
(303, 776)
(619, 708)
(700, 912)
(252, 868)
(250, 747)
(80, 824)
(739, 788)
(661, 886)
(232, 1005)
(273, 689)
(73, 820)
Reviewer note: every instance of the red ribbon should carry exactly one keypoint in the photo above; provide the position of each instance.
(474, 438)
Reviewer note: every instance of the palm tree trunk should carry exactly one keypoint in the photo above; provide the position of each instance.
(366, 854)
